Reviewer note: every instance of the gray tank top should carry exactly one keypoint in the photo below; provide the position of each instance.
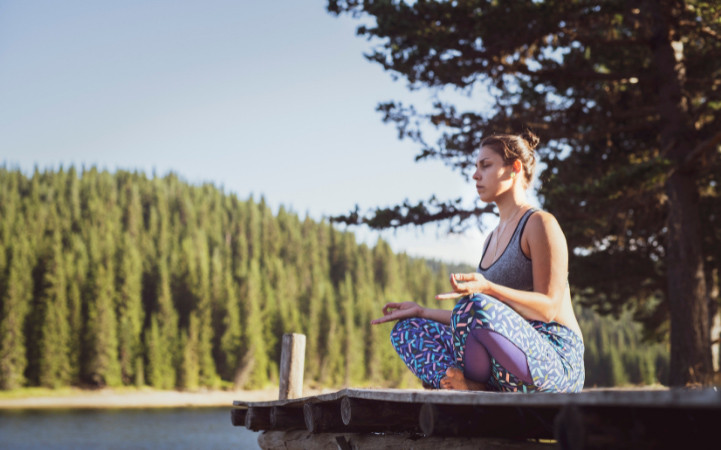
(513, 269)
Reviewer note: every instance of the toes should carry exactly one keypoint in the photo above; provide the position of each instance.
(454, 372)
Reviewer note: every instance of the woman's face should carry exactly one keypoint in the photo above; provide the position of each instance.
(492, 177)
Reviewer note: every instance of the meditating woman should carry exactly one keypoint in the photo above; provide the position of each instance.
(513, 328)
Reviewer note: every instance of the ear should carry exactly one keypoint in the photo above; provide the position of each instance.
(517, 166)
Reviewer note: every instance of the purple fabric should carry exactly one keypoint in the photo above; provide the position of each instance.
(487, 344)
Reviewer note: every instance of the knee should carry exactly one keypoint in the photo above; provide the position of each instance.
(462, 304)
(400, 327)
(476, 306)
(399, 333)
(474, 302)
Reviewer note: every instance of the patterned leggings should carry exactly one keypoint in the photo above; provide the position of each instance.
(553, 353)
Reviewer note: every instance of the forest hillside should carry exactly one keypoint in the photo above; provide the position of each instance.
(110, 279)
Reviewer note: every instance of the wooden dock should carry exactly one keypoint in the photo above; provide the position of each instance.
(420, 419)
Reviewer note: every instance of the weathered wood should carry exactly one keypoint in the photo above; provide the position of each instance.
(287, 418)
(595, 419)
(258, 418)
(497, 421)
(444, 420)
(636, 428)
(656, 398)
(303, 440)
(569, 431)
(237, 417)
(323, 417)
(378, 416)
(292, 360)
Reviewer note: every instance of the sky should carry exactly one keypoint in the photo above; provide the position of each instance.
(260, 98)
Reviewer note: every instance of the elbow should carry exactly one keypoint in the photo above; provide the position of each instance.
(551, 311)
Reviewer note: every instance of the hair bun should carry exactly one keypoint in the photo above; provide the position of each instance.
(531, 139)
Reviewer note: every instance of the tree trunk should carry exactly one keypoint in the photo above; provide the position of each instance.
(690, 345)
(690, 339)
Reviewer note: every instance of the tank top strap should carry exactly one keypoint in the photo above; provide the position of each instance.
(521, 226)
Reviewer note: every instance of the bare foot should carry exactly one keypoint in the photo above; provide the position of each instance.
(454, 379)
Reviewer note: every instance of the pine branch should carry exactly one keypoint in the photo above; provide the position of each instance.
(419, 214)
(701, 150)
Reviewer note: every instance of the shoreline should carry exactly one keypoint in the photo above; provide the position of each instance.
(142, 398)
(147, 398)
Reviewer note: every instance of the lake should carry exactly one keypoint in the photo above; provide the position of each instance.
(164, 428)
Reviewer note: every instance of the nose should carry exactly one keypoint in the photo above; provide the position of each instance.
(477, 174)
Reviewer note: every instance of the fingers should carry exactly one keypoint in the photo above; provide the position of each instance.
(449, 295)
(387, 317)
(463, 277)
(389, 306)
(454, 284)
(380, 320)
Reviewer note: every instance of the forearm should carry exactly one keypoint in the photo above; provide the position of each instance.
(438, 315)
(529, 304)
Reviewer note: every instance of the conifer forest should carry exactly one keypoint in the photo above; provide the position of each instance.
(112, 279)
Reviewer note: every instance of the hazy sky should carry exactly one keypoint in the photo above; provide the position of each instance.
(268, 98)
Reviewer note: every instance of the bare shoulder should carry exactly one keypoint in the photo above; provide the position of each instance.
(543, 224)
(542, 219)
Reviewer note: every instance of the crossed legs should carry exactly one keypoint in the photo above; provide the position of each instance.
(462, 356)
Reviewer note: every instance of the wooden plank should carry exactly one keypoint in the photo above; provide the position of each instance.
(636, 427)
(287, 418)
(302, 440)
(496, 421)
(292, 359)
(323, 417)
(379, 416)
(596, 419)
(237, 416)
(442, 420)
(657, 398)
(257, 418)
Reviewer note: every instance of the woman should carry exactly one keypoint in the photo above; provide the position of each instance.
(513, 328)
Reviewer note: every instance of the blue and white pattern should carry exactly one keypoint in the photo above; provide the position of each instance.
(554, 353)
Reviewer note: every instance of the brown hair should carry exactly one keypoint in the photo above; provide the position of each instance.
(512, 147)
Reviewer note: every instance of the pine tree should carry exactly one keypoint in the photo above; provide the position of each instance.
(163, 371)
(76, 264)
(15, 300)
(231, 340)
(129, 306)
(254, 363)
(204, 308)
(102, 366)
(54, 345)
(331, 339)
(154, 349)
(350, 336)
(189, 378)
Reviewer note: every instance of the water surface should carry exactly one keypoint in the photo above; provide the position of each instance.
(165, 428)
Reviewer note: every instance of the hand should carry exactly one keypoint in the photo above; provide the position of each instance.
(465, 284)
(397, 311)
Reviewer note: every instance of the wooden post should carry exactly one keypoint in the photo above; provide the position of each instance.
(292, 360)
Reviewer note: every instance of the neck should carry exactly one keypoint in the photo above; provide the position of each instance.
(510, 203)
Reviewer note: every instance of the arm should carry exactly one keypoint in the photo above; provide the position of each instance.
(548, 251)
(405, 310)
(547, 248)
